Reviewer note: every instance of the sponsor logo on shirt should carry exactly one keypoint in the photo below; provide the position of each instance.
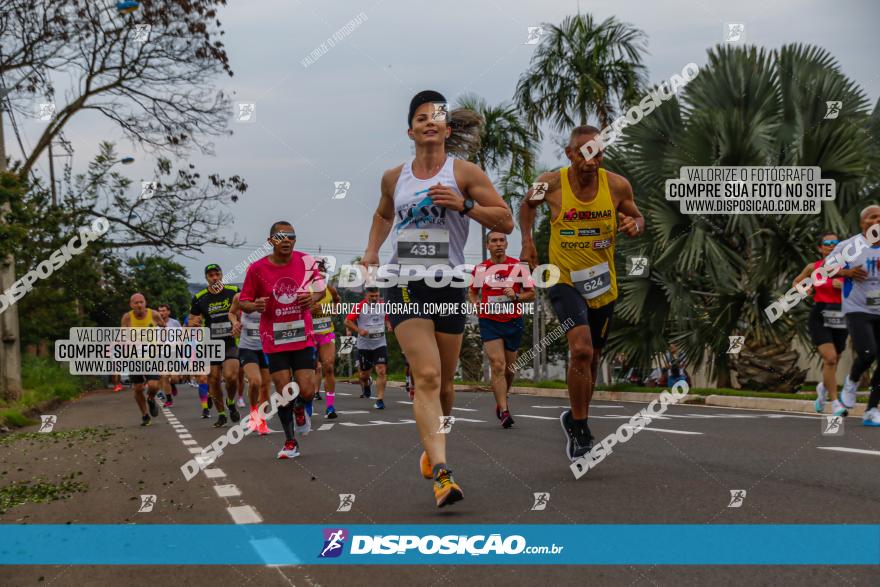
(589, 232)
(603, 244)
(575, 214)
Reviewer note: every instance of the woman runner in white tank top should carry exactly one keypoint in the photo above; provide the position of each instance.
(426, 206)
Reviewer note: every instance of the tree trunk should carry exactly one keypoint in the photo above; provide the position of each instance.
(10, 352)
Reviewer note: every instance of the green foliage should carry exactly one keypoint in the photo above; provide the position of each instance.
(43, 381)
(38, 491)
(582, 68)
(711, 276)
(162, 281)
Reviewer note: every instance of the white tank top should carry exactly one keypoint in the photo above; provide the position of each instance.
(250, 332)
(426, 234)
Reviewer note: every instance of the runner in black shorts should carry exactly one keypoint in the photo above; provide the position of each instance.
(588, 207)
(143, 317)
(282, 287)
(368, 319)
(210, 309)
(827, 327)
(426, 205)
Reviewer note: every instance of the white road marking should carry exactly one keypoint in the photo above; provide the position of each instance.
(184, 436)
(459, 409)
(561, 407)
(353, 412)
(227, 490)
(244, 514)
(860, 451)
(378, 423)
(240, 514)
(341, 393)
(274, 549)
(535, 417)
(325, 427)
(671, 431)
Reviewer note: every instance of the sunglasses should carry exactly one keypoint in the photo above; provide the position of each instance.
(280, 236)
(829, 243)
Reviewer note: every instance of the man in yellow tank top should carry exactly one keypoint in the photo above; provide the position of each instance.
(143, 317)
(588, 207)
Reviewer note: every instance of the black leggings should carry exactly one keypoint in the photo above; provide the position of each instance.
(865, 332)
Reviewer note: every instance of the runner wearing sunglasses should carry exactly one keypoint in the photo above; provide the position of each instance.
(283, 286)
(827, 326)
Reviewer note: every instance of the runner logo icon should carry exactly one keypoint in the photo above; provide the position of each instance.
(334, 542)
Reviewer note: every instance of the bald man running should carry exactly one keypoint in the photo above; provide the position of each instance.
(143, 317)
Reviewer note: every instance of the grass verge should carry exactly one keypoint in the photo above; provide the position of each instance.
(44, 381)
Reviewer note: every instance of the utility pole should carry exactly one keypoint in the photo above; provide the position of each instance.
(52, 176)
(10, 351)
(536, 336)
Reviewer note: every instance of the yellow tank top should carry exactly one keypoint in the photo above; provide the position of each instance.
(321, 319)
(145, 322)
(582, 242)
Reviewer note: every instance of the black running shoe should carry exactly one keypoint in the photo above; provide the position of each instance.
(506, 419)
(221, 421)
(146, 420)
(154, 409)
(206, 413)
(233, 411)
(317, 397)
(578, 441)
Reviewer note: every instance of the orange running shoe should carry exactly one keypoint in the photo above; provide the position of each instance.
(446, 490)
(425, 466)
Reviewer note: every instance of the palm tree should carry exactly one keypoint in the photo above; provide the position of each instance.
(580, 69)
(507, 146)
(711, 276)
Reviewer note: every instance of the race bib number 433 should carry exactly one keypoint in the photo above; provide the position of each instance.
(423, 246)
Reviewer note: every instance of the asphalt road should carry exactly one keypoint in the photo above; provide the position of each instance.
(681, 470)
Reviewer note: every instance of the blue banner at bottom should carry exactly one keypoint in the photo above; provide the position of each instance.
(390, 544)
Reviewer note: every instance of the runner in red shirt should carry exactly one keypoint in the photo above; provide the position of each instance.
(283, 286)
(501, 322)
(827, 327)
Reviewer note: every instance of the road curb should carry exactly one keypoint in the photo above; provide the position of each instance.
(774, 404)
(728, 401)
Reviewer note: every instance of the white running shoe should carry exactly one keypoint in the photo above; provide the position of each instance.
(871, 417)
(290, 450)
(838, 409)
(821, 397)
(848, 394)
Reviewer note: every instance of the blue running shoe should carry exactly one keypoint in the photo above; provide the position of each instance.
(380, 405)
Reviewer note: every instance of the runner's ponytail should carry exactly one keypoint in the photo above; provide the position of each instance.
(467, 128)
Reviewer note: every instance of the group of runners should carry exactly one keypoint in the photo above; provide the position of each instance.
(848, 306)
(278, 328)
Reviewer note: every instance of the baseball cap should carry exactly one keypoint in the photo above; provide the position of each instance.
(213, 267)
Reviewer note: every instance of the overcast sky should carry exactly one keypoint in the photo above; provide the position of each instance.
(343, 118)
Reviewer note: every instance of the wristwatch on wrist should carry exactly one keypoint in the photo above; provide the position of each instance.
(468, 206)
